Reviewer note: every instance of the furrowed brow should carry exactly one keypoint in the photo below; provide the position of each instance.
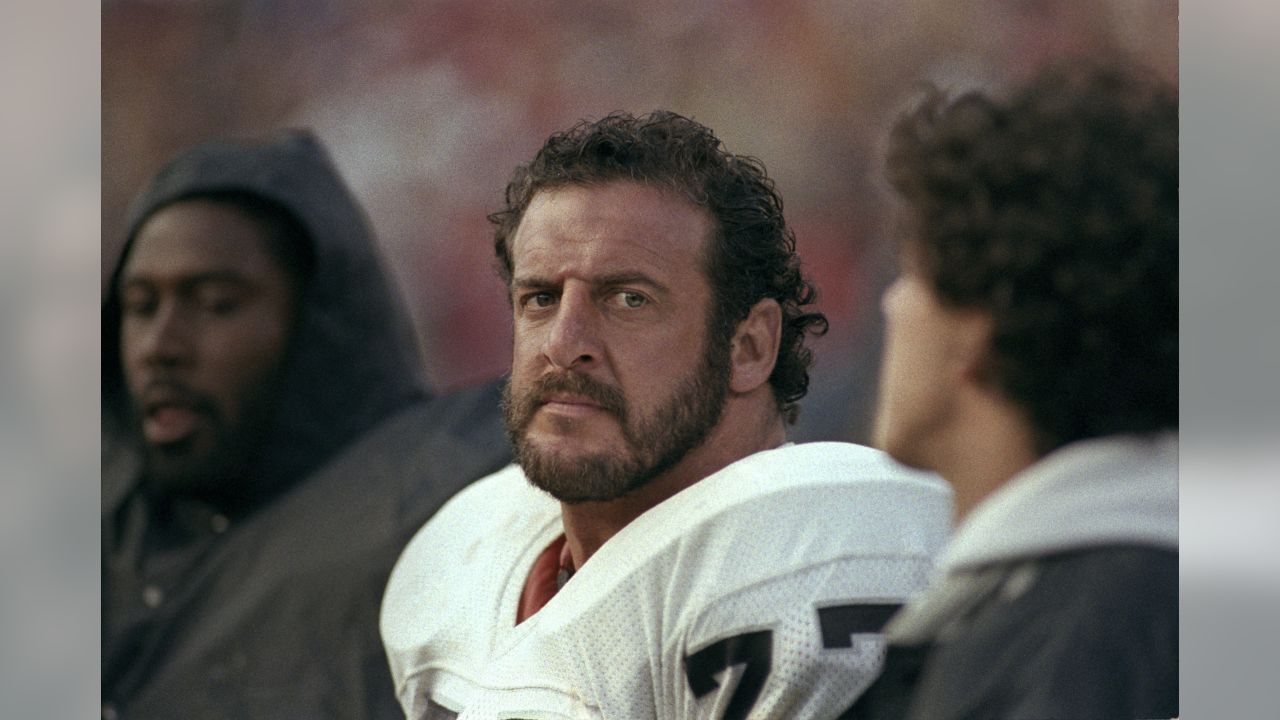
(524, 283)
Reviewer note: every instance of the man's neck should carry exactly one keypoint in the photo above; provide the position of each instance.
(588, 525)
(996, 443)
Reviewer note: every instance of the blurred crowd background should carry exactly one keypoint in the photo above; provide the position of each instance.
(428, 105)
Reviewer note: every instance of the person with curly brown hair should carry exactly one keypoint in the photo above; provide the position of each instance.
(1032, 360)
(659, 549)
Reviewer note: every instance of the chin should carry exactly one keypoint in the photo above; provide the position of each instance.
(573, 471)
(178, 476)
(198, 466)
(569, 456)
(571, 442)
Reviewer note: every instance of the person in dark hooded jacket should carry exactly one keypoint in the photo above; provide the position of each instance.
(269, 443)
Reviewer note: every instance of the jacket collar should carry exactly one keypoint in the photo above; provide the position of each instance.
(1118, 489)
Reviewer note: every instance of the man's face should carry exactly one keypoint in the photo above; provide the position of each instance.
(614, 375)
(921, 369)
(207, 314)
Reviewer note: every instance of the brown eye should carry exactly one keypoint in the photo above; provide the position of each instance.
(538, 300)
(220, 300)
(222, 306)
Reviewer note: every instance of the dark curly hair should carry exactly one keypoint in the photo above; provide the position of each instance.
(1056, 211)
(752, 255)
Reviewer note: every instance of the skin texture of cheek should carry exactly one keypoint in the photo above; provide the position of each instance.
(911, 375)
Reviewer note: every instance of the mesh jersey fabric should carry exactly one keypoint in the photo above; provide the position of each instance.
(732, 598)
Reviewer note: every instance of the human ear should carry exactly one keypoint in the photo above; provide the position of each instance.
(753, 352)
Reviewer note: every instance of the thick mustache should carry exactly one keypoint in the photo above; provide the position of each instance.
(607, 397)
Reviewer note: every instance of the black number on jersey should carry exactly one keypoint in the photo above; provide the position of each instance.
(839, 623)
(754, 650)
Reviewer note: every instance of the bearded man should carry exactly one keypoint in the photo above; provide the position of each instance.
(658, 549)
(269, 442)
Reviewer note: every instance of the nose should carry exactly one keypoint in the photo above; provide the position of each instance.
(165, 338)
(572, 340)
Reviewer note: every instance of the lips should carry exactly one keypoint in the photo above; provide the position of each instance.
(570, 404)
(564, 395)
(170, 423)
(171, 413)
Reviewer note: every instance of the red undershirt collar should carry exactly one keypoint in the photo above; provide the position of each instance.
(551, 570)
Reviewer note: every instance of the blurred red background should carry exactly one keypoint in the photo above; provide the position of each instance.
(427, 106)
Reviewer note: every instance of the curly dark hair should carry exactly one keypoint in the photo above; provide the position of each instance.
(752, 255)
(1055, 210)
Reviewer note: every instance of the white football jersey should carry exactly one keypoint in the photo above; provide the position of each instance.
(758, 592)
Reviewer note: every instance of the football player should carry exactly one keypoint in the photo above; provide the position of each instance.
(659, 549)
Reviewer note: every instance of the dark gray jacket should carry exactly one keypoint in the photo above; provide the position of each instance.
(268, 608)
(1059, 600)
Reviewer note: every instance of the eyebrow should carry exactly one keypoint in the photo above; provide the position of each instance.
(621, 278)
(192, 280)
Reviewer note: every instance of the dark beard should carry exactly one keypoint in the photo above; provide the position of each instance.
(654, 445)
(218, 473)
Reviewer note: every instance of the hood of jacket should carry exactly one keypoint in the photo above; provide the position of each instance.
(354, 358)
